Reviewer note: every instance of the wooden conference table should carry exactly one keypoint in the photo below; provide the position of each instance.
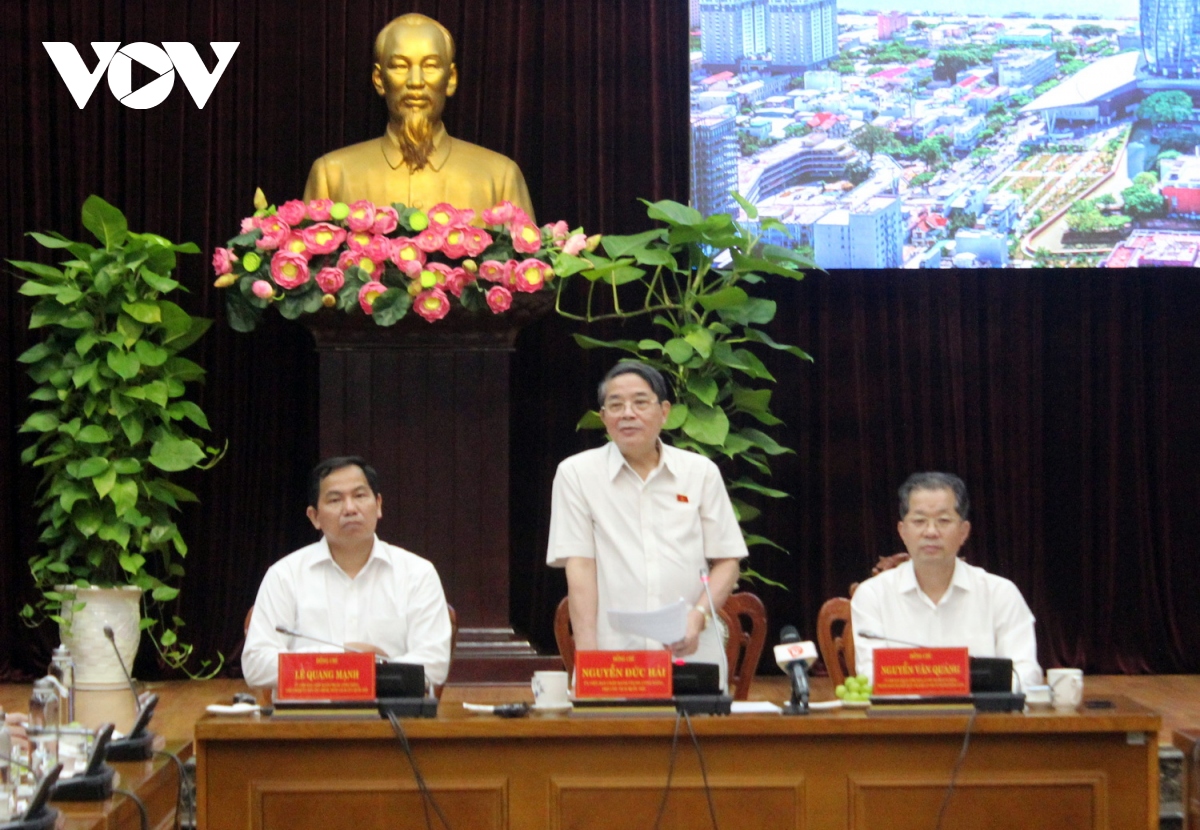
(1095, 768)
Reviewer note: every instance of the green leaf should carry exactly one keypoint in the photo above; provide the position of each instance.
(124, 496)
(592, 343)
(748, 484)
(105, 222)
(751, 210)
(391, 307)
(93, 434)
(44, 421)
(725, 298)
(156, 391)
(590, 420)
(118, 533)
(707, 424)
(751, 365)
(163, 284)
(48, 272)
(766, 340)
(70, 495)
(38, 289)
(704, 388)
(144, 311)
(754, 310)
(104, 482)
(133, 429)
(175, 454)
(757, 265)
(765, 442)
(164, 593)
(83, 374)
(125, 364)
(754, 539)
(150, 354)
(566, 265)
(752, 400)
(131, 562)
(677, 416)
(189, 410)
(745, 512)
(168, 638)
(650, 345)
(618, 246)
(679, 350)
(701, 339)
(127, 466)
(93, 466)
(50, 241)
(88, 519)
(621, 274)
(673, 213)
(35, 353)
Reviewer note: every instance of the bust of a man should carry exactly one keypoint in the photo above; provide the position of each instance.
(417, 163)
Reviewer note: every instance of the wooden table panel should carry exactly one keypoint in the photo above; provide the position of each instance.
(1187, 741)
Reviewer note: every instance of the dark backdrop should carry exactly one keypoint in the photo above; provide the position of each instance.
(1066, 399)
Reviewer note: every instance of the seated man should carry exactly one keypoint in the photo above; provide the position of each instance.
(935, 599)
(636, 521)
(349, 587)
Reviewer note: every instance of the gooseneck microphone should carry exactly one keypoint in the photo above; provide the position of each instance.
(112, 638)
(871, 635)
(794, 657)
(285, 630)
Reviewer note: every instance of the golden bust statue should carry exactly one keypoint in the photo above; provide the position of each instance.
(417, 163)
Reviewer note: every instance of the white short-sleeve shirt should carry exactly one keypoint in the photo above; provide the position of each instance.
(650, 538)
(982, 611)
(395, 602)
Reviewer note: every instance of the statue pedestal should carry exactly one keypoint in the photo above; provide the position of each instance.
(427, 404)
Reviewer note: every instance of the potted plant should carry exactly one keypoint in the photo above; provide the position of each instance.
(111, 424)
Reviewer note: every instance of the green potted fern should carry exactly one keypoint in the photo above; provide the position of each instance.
(110, 424)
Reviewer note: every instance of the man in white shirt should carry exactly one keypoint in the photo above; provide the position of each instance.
(637, 521)
(349, 587)
(936, 599)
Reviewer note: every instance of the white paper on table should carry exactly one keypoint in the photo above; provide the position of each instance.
(666, 625)
(754, 707)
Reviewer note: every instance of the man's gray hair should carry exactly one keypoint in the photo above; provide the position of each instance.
(936, 481)
(652, 376)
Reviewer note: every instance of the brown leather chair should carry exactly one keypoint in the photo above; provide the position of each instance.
(836, 638)
(744, 616)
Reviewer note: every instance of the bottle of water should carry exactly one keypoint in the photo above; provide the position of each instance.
(43, 722)
(62, 669)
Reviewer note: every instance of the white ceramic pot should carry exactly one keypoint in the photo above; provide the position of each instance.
(96, 663)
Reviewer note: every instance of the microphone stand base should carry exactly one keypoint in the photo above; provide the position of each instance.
(45, 819)
(140, 748)
(408, 707)
(794, 708)
(704, 704)
(998, 701)
(95, 787)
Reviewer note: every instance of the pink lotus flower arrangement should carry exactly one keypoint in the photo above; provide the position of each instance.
(385, 260)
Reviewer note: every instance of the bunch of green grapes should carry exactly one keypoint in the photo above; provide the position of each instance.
(854, 689)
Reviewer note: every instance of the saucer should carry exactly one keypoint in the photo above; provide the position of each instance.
(825, 705)
(552, 709)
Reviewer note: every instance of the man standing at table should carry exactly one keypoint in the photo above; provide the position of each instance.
(349, 587)
(936, 599)
(637, 521)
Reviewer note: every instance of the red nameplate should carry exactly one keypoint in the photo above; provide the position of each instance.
(637, 675)
(921, 671)
(331, 675)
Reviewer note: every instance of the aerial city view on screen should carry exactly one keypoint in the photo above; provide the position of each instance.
(954, 133)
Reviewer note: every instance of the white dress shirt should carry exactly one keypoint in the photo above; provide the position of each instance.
(982, 611)
(395, 602)
(650, 538)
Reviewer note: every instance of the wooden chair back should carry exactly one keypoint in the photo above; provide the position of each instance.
(836, 639)
(564, 637)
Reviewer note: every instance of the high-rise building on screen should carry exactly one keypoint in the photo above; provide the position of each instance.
(782, 34)
(803, 33)
(1171, 37)
(714, 161)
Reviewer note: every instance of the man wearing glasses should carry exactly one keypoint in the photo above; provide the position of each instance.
(637, 521)
(936, 599)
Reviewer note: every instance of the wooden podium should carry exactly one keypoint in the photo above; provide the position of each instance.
(427, 404)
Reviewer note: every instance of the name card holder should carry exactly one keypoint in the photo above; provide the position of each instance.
(926, 672)
(326, 676)
(623, 675)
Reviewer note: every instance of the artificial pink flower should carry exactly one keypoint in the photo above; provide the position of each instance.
(443, 216)
(499, 299)
(222, 261)
(291, 212)
(318, 209)
(440, 270)
(323, 238)
(359, 240)
(510, 273)
(531, 275)
(454, 244)
(357, 259)
(478, 240)
(378, 248)
(249, 224)
(275, 232)
(430, 239)
(575, 244)
(362, 216)
(457, 280)
(289, 270)
(526, 238)
(368, 294)
(432, 305)
(330, 280)
(263, 289)
(501, 214)
(386, 220)
(493, 271)
(296, 244)
(407, 256)
(558, 232)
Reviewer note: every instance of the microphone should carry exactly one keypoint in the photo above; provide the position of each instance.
(794, 657)
(137, 703)
(871, 635)
(138, 745)
(285, 630)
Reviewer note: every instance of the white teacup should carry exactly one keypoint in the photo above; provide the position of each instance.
(1037, 697)
(549, 689)
(1066, 687)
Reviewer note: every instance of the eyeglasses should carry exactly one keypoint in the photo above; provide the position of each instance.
(640, 406)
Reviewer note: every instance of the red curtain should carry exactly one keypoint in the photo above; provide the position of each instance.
(1065, 399)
